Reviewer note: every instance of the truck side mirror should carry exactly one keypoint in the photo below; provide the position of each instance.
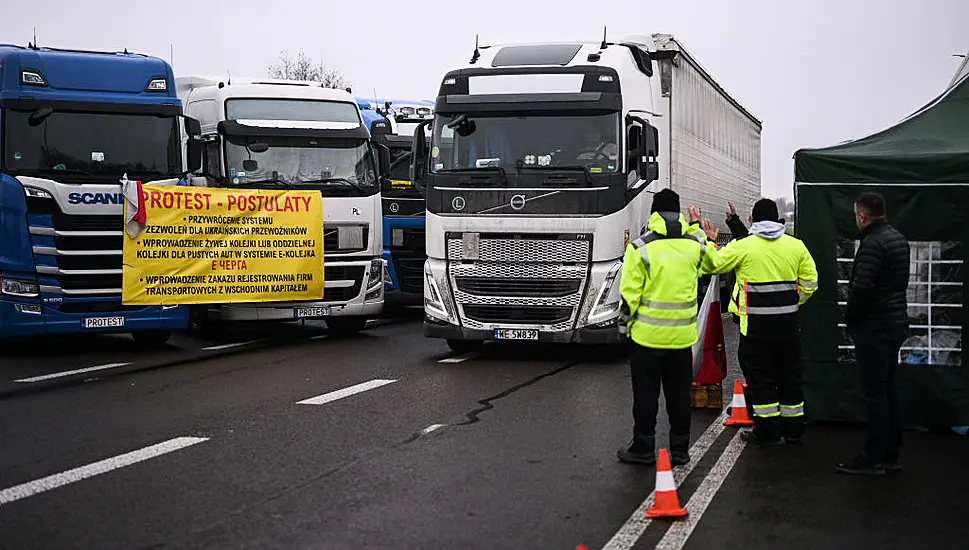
(383, 166)
(193, 154)
(192, 126)
(647, 165)
(418, 155)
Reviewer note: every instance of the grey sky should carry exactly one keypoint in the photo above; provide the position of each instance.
(815, 72)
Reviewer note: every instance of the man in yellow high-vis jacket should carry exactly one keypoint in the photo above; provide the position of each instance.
(658, 313)
(775, 276)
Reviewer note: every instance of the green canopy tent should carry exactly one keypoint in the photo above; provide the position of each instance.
(921, 167)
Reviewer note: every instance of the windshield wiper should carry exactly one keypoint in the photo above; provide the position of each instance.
(275, 180)
(568, 168)
(348, 182)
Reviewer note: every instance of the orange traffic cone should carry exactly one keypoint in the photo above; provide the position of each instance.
(667, 504)
(738, 408)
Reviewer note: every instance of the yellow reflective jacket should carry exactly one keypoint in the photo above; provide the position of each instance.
(658, 287)
(775, 275)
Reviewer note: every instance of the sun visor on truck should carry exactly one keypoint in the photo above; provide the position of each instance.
(234, 128)
(530, 89)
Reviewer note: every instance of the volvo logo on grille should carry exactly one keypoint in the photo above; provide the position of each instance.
(394, 207)
(458, 203)
(518, 202)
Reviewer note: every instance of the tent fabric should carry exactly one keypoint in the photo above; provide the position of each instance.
(931, 146)
(921, 167)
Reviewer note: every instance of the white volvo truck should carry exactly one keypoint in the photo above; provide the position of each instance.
(541, 167)
(261, 134)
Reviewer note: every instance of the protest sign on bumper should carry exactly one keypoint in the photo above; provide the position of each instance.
(195, 245)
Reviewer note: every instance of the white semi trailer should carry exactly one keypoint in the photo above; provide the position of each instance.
(541, 167)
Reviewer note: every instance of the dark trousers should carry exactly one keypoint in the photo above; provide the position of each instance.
(878, 359)
(673, 369)
(773, 372)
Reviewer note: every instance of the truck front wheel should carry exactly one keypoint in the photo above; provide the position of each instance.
(152, 338)
(464, 346)
(342, 326)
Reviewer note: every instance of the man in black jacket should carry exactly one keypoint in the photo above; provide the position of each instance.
(877, 320)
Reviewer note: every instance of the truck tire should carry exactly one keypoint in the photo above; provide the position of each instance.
(464, 346)
(152, 338)
(344, 326)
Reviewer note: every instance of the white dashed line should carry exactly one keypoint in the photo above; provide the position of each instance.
(677, 535)
(319, 337)
(227, 346)
(72, 372)
(77, 474)
(458, 358)
(636, 525)
(345, 392)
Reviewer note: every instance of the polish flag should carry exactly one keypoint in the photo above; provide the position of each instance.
(135, 216)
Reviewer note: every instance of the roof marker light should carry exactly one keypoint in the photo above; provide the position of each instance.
(32, 78)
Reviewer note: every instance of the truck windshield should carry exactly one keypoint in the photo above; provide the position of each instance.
(90, 143)
(304, 163)
(462, 142)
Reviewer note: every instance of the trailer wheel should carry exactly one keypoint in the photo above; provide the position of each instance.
(344, 326)
(464, 346)
(152, 338)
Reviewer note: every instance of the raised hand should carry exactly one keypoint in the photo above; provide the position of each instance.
(693, 214)
(732, 210)
(711, 231)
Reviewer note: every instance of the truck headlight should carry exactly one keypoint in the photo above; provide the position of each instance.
(19, 287)
(433, 300)
(607, 301)
(376, 275)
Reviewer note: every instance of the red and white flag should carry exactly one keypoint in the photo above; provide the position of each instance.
(135, 215)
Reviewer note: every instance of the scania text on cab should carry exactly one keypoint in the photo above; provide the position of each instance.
(280, 134)
(74, 123)
(541, 167)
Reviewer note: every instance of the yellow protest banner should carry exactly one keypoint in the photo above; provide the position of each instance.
(200, 245)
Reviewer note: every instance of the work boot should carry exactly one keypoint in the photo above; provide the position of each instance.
(639, 451)
(752, 437)
(861, 465)
(679, 449)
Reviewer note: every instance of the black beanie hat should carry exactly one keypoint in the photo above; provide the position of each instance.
(765, 210)
(666, 201)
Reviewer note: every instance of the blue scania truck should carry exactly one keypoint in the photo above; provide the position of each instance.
(73, 124)
(392, 122)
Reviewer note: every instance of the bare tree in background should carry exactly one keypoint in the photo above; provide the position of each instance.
(304, 67)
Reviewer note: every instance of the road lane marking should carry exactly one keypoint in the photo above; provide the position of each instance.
(227, 346)
(677, 535)
(458, 358)
(77, 474)
(71, 372)
(636, 525)
(345, 392)
(319, 337)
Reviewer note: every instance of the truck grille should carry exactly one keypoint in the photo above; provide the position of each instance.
(342, 273)
(520, 286)
(409, 268)
(543, 288)
(529, 248)
(518, 315)
(331, 239)
(80, 249)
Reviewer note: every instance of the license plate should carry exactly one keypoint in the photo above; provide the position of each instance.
(103, 322)
(515, 334)
(306, 312)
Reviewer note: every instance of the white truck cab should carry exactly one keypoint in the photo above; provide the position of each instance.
(540, 168)
(269, 134)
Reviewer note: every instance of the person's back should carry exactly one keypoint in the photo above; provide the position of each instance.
(879, 281)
